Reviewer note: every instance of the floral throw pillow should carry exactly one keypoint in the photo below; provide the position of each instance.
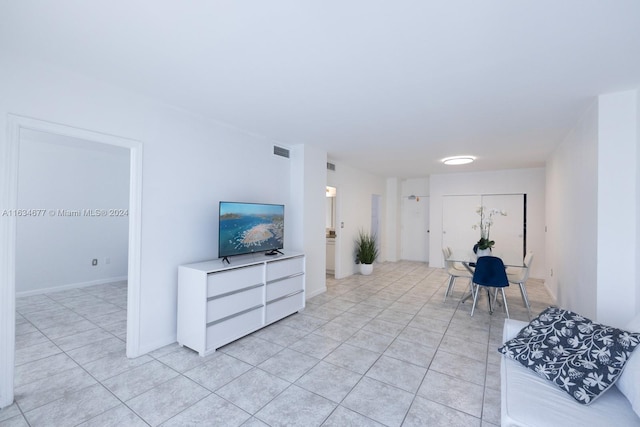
(581, 357)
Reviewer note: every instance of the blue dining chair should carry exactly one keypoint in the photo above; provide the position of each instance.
(490, 273)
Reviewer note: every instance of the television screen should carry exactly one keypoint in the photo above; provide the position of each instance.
(250, 227)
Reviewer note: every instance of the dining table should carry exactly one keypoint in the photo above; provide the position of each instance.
(468, 259)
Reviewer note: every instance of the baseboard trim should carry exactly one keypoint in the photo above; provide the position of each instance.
(318, 292)
(554, 299)
(70, 286)
(148, 348)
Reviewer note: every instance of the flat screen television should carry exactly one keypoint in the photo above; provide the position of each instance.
(250, 227)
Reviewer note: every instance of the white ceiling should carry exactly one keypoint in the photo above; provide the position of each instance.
(386, 86)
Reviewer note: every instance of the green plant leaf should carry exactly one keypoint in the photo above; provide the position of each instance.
(366, 248)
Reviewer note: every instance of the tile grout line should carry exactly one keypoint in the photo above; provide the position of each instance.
(409, 286)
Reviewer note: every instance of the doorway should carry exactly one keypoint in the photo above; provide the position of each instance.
(65, 184)
(18, 125)
(330, 230)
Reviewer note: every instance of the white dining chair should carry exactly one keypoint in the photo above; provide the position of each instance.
(454, 272)
(519, 276)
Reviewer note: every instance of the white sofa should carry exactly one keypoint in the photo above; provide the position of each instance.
(529, 400)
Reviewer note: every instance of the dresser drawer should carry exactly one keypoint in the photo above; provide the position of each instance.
(224, 305)
(283, 307)
(280, 288)
(221, 332)
(284, 268)
(230, 280)
(220, 303)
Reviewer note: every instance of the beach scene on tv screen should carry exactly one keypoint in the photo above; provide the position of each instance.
(246, 227)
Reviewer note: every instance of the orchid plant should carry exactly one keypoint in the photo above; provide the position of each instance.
(486, 221)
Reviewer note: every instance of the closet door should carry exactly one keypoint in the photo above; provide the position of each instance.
(507, 231)
(458, 217)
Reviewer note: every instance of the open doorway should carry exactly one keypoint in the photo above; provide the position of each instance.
(18, 127)
(330, 229)
(75, 194)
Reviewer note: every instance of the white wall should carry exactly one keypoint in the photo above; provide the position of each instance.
(354, 191)
(415, 186)
(637, 263)
(529, 181)
(592, 207)
(189, 165)
(308, 184)
(572, 217)
(617, 170)
(393, 214)
(59, 178)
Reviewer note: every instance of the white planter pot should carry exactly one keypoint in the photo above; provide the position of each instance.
(366, 269)
(483, 252)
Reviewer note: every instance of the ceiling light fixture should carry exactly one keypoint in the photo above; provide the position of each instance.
(458, 160)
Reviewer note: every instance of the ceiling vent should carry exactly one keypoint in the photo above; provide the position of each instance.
(331, 166)
(279, 151)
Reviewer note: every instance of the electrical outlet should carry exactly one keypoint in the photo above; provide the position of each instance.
(94, 262)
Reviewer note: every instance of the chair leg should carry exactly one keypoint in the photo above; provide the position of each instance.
(475, 299)
(504, 298)
(525, 298)
(449, 287)
(494, 301)
(471, 292)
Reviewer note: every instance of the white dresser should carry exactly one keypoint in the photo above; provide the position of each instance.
(219, 303)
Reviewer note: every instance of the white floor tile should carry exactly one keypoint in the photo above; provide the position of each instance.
(370, 351)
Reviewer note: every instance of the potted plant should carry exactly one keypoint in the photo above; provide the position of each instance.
(366, 252)
(484, 245)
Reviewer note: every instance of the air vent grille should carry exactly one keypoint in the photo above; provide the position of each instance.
(279, 151)
(331, 166)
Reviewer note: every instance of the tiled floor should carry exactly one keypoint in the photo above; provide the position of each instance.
(373, 350)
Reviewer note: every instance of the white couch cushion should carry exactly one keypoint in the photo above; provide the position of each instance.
(581, 357)
(629, 381)
(529, 400)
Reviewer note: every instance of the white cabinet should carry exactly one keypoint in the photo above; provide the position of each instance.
(220, 303)
(285, 288)
(331, 255)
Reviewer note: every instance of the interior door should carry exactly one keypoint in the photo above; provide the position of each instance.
(415, 229)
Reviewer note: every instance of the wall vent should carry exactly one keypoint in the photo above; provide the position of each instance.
(331, 166)
(279, 151)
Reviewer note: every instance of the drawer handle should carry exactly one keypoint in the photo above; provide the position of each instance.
(240, 313)
(237, 291)
(288, 259)
(285, 297)
(279, 279)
